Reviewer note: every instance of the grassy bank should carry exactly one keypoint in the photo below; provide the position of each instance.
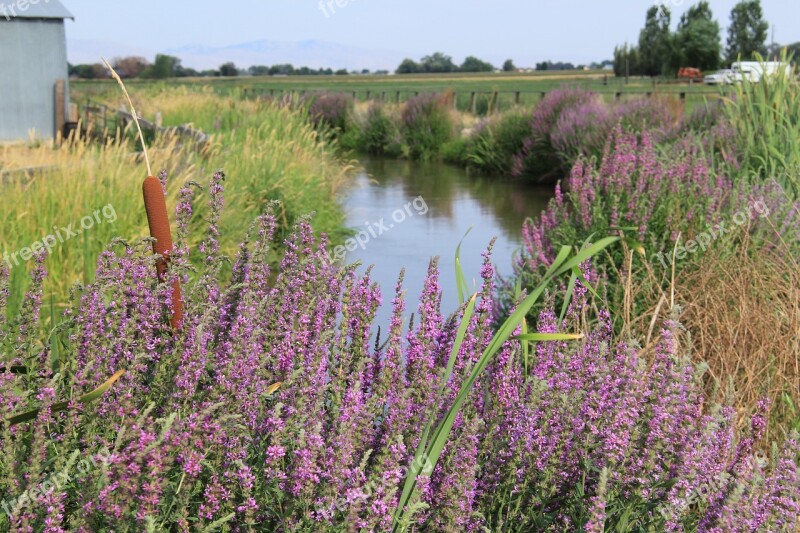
(268, 153)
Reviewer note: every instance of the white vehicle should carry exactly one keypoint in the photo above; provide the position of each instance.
(719, 77)
(753, 70)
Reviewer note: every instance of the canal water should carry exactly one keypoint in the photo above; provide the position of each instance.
(405, 212)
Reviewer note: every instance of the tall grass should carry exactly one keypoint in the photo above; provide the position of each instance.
(766, 118)
(273, 152)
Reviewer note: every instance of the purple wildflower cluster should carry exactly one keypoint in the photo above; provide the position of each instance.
(634, 186)
(573, 122)
(278, 406)
(329, 110)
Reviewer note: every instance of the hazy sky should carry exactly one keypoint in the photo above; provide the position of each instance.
(560, 30)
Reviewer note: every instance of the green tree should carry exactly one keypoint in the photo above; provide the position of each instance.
(508, 66)
(258, 70)
(747, 34)
(165, 66)
(473, 64)
(654, 42)
(626, 61)
(697, 41)
(408, 66)
(438, 62)
(228, 69)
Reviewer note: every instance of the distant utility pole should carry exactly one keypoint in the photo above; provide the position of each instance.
(774, 52)
(627, 70)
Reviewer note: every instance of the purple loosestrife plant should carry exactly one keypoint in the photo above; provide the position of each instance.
(277, 407)
(328, 110)
(426, 125)
(655, 197)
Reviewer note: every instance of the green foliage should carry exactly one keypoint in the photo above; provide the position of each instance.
(495, 143)
(437, 63)
(654, 41)
(379, 134)
(508, 66)
(426, 126)
(626, 60)
(747, 33)
(228, 69)
(165, 66)
(697, 41)
(455, 150)
(408, 66)
(473, 64)
(766, 119)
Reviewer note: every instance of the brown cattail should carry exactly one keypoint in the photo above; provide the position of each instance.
(156, 206)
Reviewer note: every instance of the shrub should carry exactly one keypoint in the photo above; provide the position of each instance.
(493, 144)
(330, 111)
(425, 125)
(538, 157)
(582, 130)
(379, 134)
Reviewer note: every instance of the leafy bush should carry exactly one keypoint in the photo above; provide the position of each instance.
(379, 134)
(538, 157)
(493, 144)
(425, 125)
(329, 110)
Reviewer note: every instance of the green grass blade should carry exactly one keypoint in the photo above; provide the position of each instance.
(419, 455)
(61, 406)
(461, 281)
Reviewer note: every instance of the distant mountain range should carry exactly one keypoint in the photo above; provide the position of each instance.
(310, 53)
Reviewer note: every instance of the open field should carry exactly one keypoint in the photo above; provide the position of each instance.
(530, 86)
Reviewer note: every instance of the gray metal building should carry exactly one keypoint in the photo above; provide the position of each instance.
(33, 56)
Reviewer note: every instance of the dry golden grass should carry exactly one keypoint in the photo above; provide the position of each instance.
(740, 308)
(743, 313)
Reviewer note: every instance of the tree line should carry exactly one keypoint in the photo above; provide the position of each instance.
(696, 42)
(439, 62)
(167, 66)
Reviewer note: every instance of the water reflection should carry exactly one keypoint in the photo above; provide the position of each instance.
(398, 232)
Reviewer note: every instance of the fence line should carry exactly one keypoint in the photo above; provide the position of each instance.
(489, 101)
(99, 121)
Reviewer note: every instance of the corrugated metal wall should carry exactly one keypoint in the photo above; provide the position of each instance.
(33, 56)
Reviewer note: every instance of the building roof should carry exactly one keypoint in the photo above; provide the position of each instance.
(43, 9)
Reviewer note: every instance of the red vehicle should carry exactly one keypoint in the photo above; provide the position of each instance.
(690, 73)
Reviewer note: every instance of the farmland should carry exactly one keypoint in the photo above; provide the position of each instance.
(530, 85)
(637, 369)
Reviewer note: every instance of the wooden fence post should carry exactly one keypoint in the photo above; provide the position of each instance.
(60, 109)
(516, 98)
